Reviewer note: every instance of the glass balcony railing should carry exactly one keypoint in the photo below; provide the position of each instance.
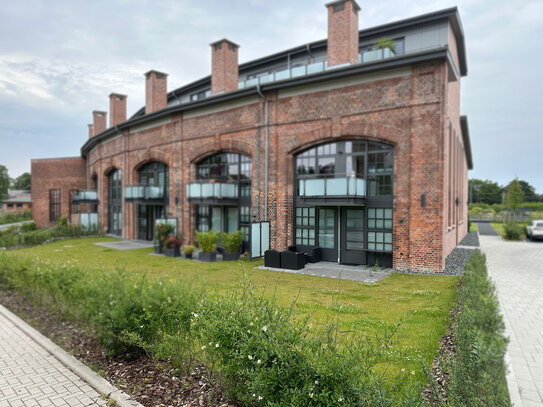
(328, 187)
(375, 55)
(143, 192)
(206, 190)
(364, 57)
(85, 196)
(285, 74)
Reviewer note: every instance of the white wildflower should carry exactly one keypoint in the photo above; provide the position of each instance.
(250, 357)
(265, 328)
(258, 362)
(203, 347)
(216, 345)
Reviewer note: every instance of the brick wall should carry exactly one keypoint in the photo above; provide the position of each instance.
(342, 32)
(60, 173)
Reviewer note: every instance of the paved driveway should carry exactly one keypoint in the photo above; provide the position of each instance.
(517, 270)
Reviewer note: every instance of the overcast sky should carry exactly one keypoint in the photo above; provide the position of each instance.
(59, 60)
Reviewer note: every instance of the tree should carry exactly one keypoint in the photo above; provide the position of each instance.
(488, 192)
(514, 196)
(22, 181)
(529, 191)
(4, 182)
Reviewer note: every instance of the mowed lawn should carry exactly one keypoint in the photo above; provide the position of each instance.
(422, 303)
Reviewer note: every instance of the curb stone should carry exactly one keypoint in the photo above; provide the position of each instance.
(97, 382)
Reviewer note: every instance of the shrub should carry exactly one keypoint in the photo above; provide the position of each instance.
(28, 227)
(173, 242)
(162, 231)
(513, 231)
(188, 249)
(477, 369)
(14, 218)
(231, 242)
(207, 241)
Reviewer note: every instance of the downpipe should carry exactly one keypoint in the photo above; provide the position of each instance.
(266, 150)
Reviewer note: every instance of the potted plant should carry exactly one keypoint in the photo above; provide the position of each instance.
(162, 231)
(231, 243)
(207, 241)
(387, 45)
(188, 250)
(172, 247)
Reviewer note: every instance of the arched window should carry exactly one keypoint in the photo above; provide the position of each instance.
(154, 174)
(114, 202)
(222, 192)
(358, 159)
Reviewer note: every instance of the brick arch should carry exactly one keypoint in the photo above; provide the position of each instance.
(231, 146)
(351, 131)
(109, 169)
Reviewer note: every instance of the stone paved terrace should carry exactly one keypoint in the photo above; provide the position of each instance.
(517, 271)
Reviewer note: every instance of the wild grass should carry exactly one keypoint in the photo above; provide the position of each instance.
(355, 310)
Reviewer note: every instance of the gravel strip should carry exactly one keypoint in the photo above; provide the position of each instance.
(471, 239)
(454, 263)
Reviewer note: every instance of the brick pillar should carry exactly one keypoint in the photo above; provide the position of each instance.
(224, 66)
(99, 121)
(117, 109)
(342, 32)
(156, 91)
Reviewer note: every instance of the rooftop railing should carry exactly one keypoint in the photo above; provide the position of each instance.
(331, 187)
(303, 70)
(207, 190)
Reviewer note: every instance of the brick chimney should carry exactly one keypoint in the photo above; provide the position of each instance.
(99, 121)
(117, 109)
(156, 91)
(342, 32)
(91, 130)
(224, 66)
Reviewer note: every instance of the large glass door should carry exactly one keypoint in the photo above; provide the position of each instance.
(327, 228)
(352, 236)
(115, 203)
(147, 215)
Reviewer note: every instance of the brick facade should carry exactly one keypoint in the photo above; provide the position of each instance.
(65, 174)
(415, 109)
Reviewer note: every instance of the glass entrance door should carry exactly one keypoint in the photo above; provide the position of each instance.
(328, 238)
(352, 236)
(147, 214)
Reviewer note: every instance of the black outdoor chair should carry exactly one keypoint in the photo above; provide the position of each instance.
(272, 258)
(312, 254)
(293, 260)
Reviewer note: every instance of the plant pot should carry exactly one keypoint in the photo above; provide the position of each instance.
(207, 257)
(188, 255)
(173, 252)
(158, 249)
(231, 256)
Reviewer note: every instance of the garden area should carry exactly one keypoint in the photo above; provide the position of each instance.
(255, 337)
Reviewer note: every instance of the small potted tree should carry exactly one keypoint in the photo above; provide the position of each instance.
(387, 45)
(231, 243)
(207, 241)
(172, 247)
(188, 250)
(162, 231)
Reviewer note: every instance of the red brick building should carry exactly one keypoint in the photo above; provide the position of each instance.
(354, 144)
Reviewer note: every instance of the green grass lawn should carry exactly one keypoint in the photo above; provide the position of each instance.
(473, 227)
(422, 302)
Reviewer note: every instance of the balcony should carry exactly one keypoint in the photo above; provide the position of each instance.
(212, 192)
(144, 193)
(364, 56)
(332, 189)
(87, 196)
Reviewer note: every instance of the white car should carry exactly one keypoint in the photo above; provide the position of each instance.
(535, 230)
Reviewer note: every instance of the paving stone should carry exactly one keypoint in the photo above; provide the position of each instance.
(516, 268)
(34, 377)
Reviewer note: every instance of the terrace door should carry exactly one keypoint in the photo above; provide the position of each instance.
(327, 233)
(352, 236)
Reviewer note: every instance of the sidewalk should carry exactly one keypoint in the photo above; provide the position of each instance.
(516, 268)
(36, 372)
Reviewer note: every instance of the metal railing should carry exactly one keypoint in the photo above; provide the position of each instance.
(203, 190)
(346, 186)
